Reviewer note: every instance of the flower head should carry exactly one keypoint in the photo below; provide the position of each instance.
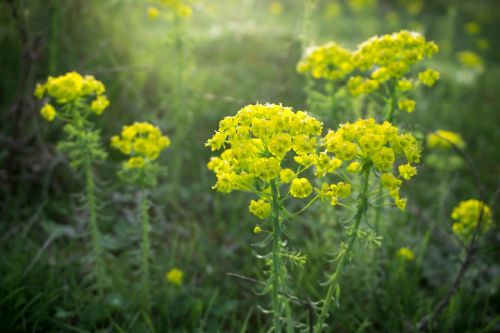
(406, 254)
(48, 112)
(143, 142)
(175, 276)
(329, 61)
(256, 143)
(366, 143)
(444, 139)
(83, 93)
(468, 214)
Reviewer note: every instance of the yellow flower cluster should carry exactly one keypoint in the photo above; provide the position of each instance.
(470, 59)
(444, 139)
(175, 276)
(405, 254)
(366, 142)
(70, 88)
(260, 208)
(143, 142)
(472, 28)
(329, 62)
(177, 7)
(256, 142)
(468, 214)
(360, 5)
(390, 57)
(377, 61)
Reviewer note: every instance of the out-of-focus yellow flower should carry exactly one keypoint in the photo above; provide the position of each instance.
(405, 254)
(48, 112)
(444, 139)
(329, 61)
(468, 214)
(407, 104)
(392, 17)
(275, 8)
(470, 59)
(360, 5)
(175, 276)
(257, 229)
(472, 28)
(153, 12)
(428, 77)
(413, 7)
(333, 9)
(99, 104)
(483, 44)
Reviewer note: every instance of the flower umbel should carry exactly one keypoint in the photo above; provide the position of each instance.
(175, 276)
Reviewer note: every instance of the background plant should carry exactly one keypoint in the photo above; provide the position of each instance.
(76, 99)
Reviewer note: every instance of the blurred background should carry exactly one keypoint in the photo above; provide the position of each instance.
(186, 74)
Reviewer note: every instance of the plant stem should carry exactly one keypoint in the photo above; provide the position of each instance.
(333, 279)
(276, 267)
(94, 230)
(145, 248)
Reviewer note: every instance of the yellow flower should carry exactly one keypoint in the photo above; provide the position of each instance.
(275, 8)
(136, 163)
(377, 145)
(48, 112)
(175, 276)
(99, 104)
(428, 77)
(287, 175)
(405, 85)
(407, 171)
(359, 5)
(39, 91)
(142, 141)
(483, 44)
(444, 139)
(153, 12)
(407, 104)
(406, 254)
(354, 167)
(260, 208)
(329, 61)
(470, 59)
(472, 28)
(257, 230)
(468, 214)
(300, 188)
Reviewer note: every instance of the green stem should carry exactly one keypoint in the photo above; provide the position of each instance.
(390, 118)
(276, 267)
(333, 279)
(145, 248)
(94, 230)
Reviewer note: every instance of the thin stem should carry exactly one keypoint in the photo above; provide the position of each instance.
(333, 279)
(276, 267)
(94, 230)
(145, 248)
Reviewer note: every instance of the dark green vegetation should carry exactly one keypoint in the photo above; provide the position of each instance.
(233, 53)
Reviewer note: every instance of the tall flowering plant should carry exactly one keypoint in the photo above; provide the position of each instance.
(75, 99)
(143, 144)
(269, 151)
